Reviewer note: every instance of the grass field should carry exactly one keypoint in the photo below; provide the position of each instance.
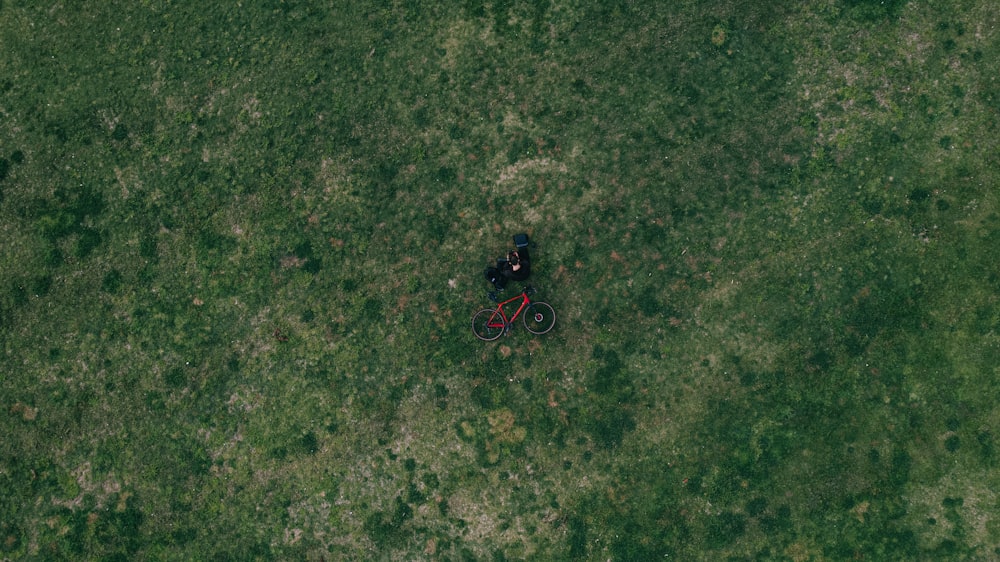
(242, 245)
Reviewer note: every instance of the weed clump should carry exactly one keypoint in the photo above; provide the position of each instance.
(386, 528)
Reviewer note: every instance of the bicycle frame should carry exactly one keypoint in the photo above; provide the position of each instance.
(503, 321)
(490, 323)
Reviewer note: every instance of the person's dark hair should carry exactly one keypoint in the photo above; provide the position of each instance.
(512, 258)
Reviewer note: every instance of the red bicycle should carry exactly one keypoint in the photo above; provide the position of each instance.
(490, 323)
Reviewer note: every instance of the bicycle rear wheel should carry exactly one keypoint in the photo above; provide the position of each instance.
(539, 318)
(488, 324)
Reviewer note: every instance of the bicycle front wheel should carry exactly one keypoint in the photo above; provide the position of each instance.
(539, 318)
(487, 324)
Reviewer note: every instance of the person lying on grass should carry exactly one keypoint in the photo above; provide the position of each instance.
(516, 266)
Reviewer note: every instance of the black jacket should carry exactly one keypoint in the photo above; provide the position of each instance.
(522, 272)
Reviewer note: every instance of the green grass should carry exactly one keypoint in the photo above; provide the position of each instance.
(242, 247)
